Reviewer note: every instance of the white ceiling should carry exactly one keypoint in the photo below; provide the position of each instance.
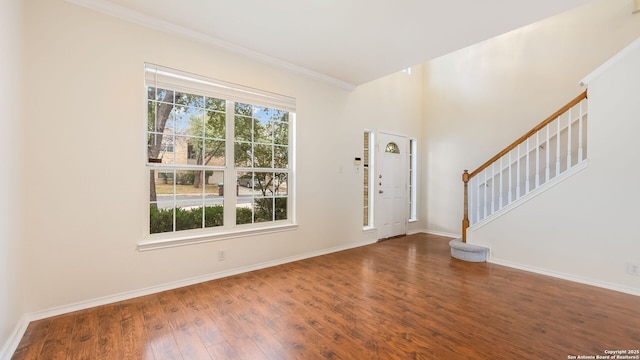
(350, 42)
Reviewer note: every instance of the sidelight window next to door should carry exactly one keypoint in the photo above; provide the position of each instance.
(367, 164)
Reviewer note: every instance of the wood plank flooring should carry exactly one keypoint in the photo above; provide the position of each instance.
(404, 298)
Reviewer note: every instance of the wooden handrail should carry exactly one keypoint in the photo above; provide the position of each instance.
(524, 137)
(466, 176)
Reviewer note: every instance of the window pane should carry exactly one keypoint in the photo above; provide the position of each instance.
(161, 201)
(262, 131)
(392, 148)
(243, 154)
(281, 133)
(263, 210)
(195, 122)
(245, 179)
(243, 128)
(213, 215)
(188, 150)
(151, 115)
(180, 120)
(280, 185)
(214, 186)
(215, 104)
(281, 209)
(244, 200)
(184, 182)
(215, 125)
(214, 152)
(188, 217)
(160, 220)
(194, 100)
(163, 182)
(366, 217)
(154, 145)
(243, 109)
(263, 183)
(244, 214)
(165, 95)
(281, 157)
(151, 93)
(262, 156)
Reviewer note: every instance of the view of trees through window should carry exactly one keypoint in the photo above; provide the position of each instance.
(190, 148)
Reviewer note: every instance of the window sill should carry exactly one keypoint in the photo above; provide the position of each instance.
(173, 241)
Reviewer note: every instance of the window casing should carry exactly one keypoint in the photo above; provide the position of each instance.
(413, 163)
(220, 134)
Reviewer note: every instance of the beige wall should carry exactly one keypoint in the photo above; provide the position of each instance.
(85, 179)
(480, 99)
(10, 280)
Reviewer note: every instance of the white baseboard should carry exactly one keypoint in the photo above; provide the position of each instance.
(14, 340)
(441, 233)
(564, 276)
(415, 231)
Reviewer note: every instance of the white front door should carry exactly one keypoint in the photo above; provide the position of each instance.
(391, 183)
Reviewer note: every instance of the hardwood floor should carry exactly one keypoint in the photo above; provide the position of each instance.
(404, 298)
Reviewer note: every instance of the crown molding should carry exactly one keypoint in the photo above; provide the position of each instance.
(132, 16)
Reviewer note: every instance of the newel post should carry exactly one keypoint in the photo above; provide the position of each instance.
(465, 219)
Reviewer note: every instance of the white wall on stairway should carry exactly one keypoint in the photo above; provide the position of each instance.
(586, 228)
(480, 99)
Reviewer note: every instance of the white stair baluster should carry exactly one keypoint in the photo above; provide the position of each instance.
(484, 214)
(518, 173)
(569, 124)
(477, 190)
(547, 147)
(580, 154)
(493, 183)
(537, 159)
(526, 184)
(500, 191)
(510, 197)
(558, 146)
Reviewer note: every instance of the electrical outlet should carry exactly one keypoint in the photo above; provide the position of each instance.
(221, 255)
(633, 268)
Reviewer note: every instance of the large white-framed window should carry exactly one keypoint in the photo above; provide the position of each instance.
(413, 165)
(368, 181)
(229, 170)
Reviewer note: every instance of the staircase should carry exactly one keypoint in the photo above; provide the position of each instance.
(541, 156)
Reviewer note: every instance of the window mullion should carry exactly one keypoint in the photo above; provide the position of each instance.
(230, 172)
